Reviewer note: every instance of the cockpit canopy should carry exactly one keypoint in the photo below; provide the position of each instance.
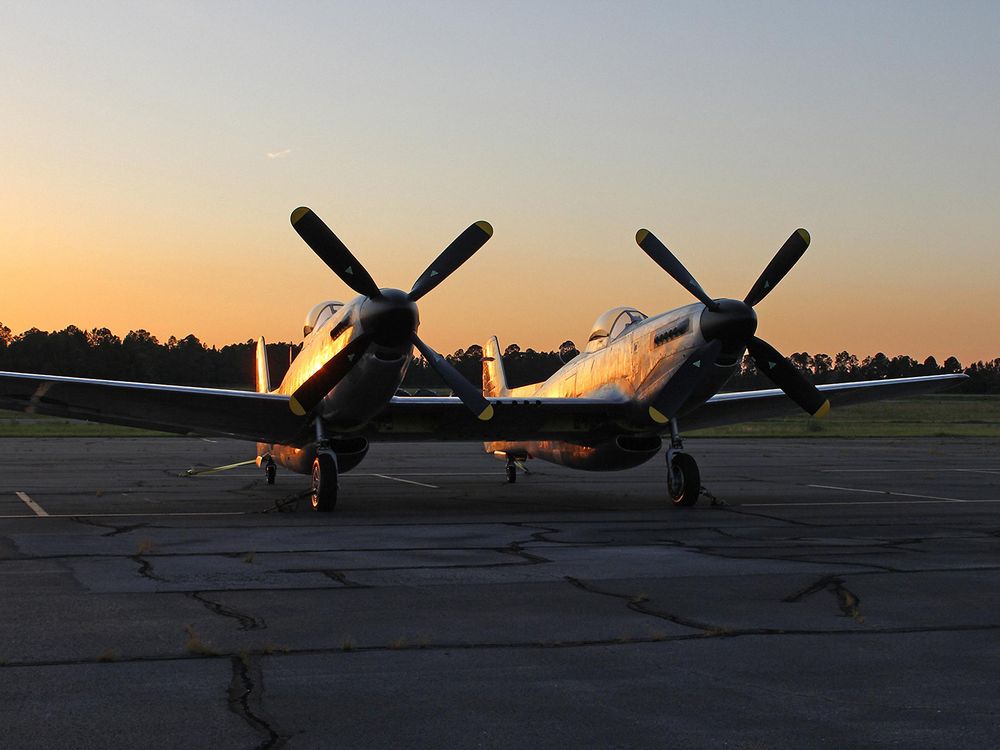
(614, 322)
(319, 315)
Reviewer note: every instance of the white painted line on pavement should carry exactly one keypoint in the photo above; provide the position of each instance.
(930, 469)
(862, 502)
(131, 515)
(885, 492)
(408, 481)
(35, 507)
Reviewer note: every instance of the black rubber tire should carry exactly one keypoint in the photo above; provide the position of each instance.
(689, 484)
(270, 470)
(323, 497)
(511, 473)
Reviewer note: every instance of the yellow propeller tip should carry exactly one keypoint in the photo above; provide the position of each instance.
(486, 414)
(657, 416)
(298, 213)
(641, 236)
(822, 411)
(804, 235)
(486, 227)
(296, 407)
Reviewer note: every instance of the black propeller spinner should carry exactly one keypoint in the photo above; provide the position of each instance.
(388, 316)
(728, 326)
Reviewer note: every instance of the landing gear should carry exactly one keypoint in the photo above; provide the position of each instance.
(683, 477)
(683, 480)
(323, 496)
(511, 470)
(270, 470)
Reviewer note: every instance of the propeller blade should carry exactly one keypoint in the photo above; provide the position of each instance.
(783, 374)
(333, 252)
(683, 382)
(782, 262)
(467, 392)
(460, 250)
(669, 263)
(321, 382)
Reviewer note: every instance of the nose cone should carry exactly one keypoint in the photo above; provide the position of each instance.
(390, 318)
(732, 322)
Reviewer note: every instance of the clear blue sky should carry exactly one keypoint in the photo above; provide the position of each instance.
(153, 151)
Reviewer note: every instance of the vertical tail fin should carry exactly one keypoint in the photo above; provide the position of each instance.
(263, 378)
(494, 378)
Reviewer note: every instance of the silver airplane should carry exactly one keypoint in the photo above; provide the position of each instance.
(609, 408)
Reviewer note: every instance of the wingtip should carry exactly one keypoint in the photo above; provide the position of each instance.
(298, 213)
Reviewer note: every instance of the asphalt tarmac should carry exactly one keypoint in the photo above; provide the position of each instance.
(842, 593)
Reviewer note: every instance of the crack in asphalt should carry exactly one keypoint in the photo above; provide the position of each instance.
(116, 529)
(246, 621)
(146, 568)
(246, 701)
(512, 645)
(847, 600)
(637, 603)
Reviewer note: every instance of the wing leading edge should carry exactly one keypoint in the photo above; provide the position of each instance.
(266, 417)
(247, 415)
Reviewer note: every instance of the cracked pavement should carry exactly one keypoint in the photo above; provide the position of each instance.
(831, 600)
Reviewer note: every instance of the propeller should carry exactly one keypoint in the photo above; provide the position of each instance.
(388, 316)
(783, 374)
(308, 395)
(731, 324)
(786, 257)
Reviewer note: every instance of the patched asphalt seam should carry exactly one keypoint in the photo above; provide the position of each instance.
(247, 622)
(246, 701)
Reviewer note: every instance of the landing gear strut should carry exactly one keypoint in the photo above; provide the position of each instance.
(270, 470)
(683, 477)
(511, 470)
(323, 496)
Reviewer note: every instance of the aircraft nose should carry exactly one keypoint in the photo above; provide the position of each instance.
(732, 322)
(390, 318)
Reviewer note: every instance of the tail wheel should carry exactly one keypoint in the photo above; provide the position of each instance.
(324, 483)
(683, 480)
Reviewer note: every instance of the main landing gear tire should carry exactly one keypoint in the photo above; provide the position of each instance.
(683, 480)
(270, 470)
(511, 471)
(324, 483)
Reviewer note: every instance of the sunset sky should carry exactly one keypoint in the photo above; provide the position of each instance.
(152, 154)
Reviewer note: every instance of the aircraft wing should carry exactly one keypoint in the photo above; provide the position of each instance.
(748, 406)
(445, 418)
(246, 415)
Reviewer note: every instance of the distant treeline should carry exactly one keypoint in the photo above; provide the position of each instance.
(139, 356)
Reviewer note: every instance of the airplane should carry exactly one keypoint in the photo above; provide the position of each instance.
(609, 408)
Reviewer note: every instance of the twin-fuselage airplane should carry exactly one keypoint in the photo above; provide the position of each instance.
(609, 408)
